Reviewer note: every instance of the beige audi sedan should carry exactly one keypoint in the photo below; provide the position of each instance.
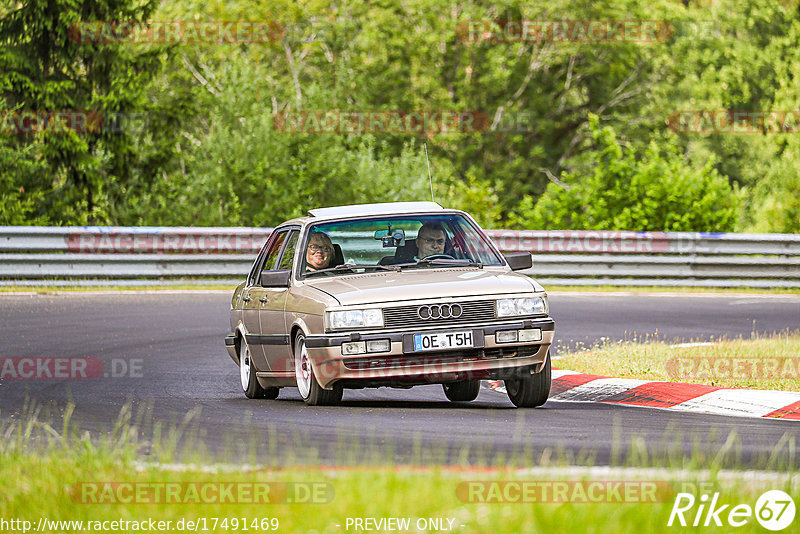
(396, 295)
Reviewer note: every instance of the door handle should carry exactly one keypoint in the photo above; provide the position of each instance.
(263, 299)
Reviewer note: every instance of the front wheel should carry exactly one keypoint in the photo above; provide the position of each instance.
(464, 391)
(530, 391)
(312, 393)
(247, 373)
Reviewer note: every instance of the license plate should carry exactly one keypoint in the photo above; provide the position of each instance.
(443, 340)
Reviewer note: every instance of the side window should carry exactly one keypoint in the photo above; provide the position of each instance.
(274, 250)
(251, 278)
(287, 257)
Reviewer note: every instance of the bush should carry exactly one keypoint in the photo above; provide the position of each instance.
(656, 191)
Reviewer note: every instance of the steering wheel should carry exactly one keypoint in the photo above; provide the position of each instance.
(439, 257)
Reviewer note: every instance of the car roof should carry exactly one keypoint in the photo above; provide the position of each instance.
(357, 210)
(384, 208)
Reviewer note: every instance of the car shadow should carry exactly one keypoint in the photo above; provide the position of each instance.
(410, 404)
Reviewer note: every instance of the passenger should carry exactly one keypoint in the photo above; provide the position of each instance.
(319, 252)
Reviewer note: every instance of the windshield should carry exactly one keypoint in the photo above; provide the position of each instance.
(395, 243)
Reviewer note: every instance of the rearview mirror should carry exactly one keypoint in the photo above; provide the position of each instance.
(275, 278)
(391, 238)
(519, 261)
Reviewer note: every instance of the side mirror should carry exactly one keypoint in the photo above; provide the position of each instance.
(519, 261)
(275, 278)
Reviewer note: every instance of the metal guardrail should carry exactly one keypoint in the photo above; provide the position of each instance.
(125, 240)
(158, 255)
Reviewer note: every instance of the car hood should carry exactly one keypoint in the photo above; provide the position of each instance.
(377, 287)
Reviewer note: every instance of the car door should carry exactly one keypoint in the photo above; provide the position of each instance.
(274, 326)
(253, 299)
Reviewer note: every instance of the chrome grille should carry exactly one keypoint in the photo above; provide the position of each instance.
(406, 316)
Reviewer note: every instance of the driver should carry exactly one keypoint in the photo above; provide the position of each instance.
(430, 240)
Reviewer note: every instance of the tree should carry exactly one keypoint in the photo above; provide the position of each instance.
(22, 168)
(79, 174)
(742, 56)
(624, 190)
(209, 151)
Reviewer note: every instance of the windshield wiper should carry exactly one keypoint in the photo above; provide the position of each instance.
(444, 262)
(353, 268)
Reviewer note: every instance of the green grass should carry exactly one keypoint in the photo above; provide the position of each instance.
(48, 470)
(41, 487)
(759, 363)
(63, 483)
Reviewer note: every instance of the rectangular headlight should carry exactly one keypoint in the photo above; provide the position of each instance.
(524, 306)
(341, 320)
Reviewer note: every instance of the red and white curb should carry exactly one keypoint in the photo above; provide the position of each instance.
(573, 386)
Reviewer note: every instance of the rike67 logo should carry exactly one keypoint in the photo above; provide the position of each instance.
(774, 510)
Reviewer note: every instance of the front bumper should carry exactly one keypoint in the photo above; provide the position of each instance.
(230, 345)
(403, 366)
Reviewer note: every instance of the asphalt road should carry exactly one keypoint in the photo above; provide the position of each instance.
(176, 374)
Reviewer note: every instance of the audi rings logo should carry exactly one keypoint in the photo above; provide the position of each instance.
(439, 311)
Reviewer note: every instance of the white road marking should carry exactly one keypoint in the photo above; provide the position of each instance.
(558, 373)
(741, 402)
(600, 389)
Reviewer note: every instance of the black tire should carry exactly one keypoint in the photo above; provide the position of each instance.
(310, 391)
(531, 390)
(463, 391)
(247, 373)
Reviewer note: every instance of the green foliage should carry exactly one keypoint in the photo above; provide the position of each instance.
(385, 56)
(623, 190)
(236, 169)
(18, 206)
(74, 177)
(209, 153)
(742, 55)
(776, 199)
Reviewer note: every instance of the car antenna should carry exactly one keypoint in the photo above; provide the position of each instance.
(430, 176)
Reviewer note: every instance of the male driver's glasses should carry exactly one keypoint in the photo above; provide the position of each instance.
(317, 248)
(430, 242)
